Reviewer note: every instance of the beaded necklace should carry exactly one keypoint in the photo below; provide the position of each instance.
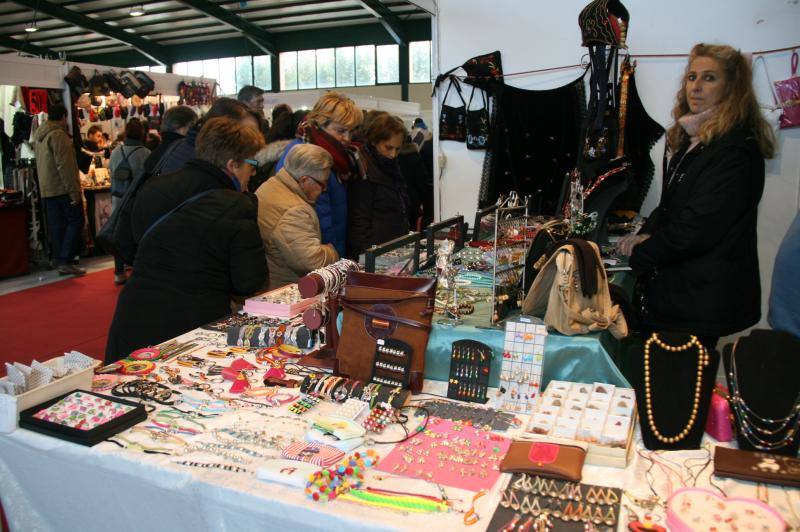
(753, 426)
(702, 361)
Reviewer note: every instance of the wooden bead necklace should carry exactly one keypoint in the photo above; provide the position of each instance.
(702, 361)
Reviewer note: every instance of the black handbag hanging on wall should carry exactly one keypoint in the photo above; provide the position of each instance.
(478, 124)
(453, 120)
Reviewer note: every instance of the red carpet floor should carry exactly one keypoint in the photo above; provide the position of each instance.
(43, 322)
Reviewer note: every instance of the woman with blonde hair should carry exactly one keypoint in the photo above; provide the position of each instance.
(330, 125)
(697, 256)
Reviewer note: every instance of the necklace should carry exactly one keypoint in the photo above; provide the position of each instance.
(702, 361)
(753, 425)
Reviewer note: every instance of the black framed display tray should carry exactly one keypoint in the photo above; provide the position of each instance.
(82, 437)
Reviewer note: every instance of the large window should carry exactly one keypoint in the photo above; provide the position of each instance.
(347, 66)
(419, 62)
(147, 68)
(231, 73)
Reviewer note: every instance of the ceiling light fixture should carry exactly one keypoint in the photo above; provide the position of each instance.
(31, 27)
(137, 10)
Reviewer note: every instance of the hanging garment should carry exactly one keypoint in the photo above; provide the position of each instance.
(638, 134)
(535, 142)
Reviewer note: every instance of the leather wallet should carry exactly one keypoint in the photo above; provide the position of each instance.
(550, 460)
(757, 467)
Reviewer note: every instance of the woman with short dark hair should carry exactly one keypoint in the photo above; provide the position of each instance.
(198, 242)
(378, 201)
(126, 164)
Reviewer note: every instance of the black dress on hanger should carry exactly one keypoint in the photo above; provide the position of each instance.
(535, 142)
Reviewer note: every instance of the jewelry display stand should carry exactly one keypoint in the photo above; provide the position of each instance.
(764, 384)
(312, 285)
(673, 393)
(410, 267)
(470, 367)
(511, 221)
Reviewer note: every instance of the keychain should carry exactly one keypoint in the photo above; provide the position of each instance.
(379, 417)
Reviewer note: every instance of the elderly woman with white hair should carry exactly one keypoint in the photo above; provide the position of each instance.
(287, 220)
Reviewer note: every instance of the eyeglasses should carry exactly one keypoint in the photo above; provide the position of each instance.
(323, 185)
(252, 162)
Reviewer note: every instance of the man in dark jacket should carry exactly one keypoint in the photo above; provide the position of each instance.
(199, 243)
(174, 126)
(185, 151)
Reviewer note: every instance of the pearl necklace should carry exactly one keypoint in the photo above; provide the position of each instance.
(749, 421)
(702, 361)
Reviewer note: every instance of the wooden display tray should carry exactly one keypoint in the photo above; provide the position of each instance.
(596, 454)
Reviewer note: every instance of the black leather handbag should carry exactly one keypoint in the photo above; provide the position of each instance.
(453, 120)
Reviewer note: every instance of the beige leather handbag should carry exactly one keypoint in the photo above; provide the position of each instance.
(571, 292)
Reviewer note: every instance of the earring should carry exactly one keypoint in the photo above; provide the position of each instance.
(505, 500)
(591, 496)
(610, 517)
(612, 497)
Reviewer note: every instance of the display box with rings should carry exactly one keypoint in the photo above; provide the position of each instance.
(283, 302)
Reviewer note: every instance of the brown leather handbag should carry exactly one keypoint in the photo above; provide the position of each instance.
(378, 307)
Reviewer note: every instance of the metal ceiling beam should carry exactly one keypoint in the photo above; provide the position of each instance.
(387, 18)
(22, 46)
(255, 34)
(148, 48)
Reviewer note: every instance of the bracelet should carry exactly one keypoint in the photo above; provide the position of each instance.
(137, 367)
(329, 384)
(136, 445)
(160, 435)
(341, 392)
(261, 333)
(224, 467)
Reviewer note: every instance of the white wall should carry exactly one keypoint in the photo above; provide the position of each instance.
(536, 35)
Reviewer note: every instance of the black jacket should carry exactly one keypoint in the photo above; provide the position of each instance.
(190, 265)
(166, 141)
(376, 207)
(419, 184)
(699, 269)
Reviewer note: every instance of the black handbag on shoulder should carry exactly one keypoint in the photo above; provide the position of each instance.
(453, 120)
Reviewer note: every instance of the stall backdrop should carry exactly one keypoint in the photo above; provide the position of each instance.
(539, 35)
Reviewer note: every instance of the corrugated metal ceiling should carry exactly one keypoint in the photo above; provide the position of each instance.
(172, 22)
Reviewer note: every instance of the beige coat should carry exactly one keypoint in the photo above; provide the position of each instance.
(290, 230)
(55, 162)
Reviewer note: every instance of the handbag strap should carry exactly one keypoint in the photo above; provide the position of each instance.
(385, 317)
(769, 80)
(175, 209)
(454, 81)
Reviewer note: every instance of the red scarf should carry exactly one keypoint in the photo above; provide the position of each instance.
(344, 161)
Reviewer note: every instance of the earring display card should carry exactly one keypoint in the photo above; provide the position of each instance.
(564, 506)
(470, 365)
(521, 370)
(392, 363)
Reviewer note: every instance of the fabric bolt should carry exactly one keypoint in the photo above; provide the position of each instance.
(290, 230)
(64, 223)
(331, 207)
(535, 143)
(196, 259)
(698, 272)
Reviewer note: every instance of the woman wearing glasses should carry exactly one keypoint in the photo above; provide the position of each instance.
(287, 220)
(329, 125)
(198, 242)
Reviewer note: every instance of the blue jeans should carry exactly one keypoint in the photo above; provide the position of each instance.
(64, 222)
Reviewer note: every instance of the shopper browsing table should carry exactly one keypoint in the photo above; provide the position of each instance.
(696, 257)
(60, 187)
(286, 217)
(192, 260)
(330, 125)
(378, 201)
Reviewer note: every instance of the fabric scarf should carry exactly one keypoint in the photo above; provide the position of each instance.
(343, 160)
(691, 124)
